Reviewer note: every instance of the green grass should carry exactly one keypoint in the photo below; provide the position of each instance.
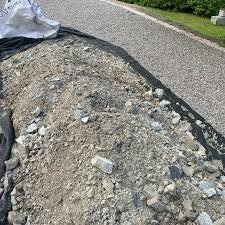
(200, 25)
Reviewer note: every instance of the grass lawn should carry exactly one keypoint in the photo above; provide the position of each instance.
(199, 25)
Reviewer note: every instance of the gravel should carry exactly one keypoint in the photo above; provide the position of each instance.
(194, 71)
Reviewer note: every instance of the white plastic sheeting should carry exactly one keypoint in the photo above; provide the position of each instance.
(24, 18)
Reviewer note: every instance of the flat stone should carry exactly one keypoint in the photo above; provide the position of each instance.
(164, 103)
(103, 164)
(208, 166)
(32, 129)
(11, 164)
(192, 144)
(208, 188)
(149, 191)
(204, 219)
(220, 221)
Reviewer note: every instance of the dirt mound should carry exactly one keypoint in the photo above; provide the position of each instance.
(97, 146)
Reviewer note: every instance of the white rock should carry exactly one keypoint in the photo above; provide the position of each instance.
(170, 188)
(159, 92)
(176, 120)
(42, 131)
(103, 164)
(85, 119)
(32, 128)
(164, 103)
(204, 219)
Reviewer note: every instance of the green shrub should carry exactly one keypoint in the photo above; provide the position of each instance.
(199, 7)
(205, 7)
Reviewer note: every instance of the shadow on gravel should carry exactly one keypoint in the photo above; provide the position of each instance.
(208, 136)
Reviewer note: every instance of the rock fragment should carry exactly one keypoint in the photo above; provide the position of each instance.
(164, 103)
(103, 164)
(204, 219)
(16, 218)
(208, 188)
(11, 164)
(31, 129)
(175, 172)
(156, 126)
(159, 92)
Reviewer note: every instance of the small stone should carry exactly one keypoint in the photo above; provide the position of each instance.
(210, 167)
(176, 120)
(164, 103)
(149, 95)
(16, 218)
(222, 179)
(188, 205)
(37, 112)
(108, 185)
(90, 193)
(32, 129)
(103, 164)
(78, 115)
(42, 131)
(85, 119)
(220, 221)
(170, 188)
(159, 92)
(11, 164)
(208, 188)
(175, 172)
(156, 126)
(191, 144)
(13, 200)
(174, 114)
(156, 204)
(188, 170)
(204, 219)
(149, 192)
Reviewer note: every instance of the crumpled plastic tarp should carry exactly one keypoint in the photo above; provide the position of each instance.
(24, 18)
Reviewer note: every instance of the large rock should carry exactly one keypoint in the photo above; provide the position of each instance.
(218, 20)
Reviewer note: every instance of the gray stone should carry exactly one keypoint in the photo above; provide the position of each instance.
(156, 126)
(175, 172)
(78, 115)
(149, 192)
(220, 221)
(156, 204)
(32, 129)
(11, 164)
(170, 188)
(218, 20)
(204, 219)
(210, 167)
(103, 164)
(208, 188)
(16, 218)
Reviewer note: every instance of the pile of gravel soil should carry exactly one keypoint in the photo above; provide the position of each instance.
(95, 145)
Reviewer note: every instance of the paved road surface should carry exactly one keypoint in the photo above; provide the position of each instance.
(195, 72)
